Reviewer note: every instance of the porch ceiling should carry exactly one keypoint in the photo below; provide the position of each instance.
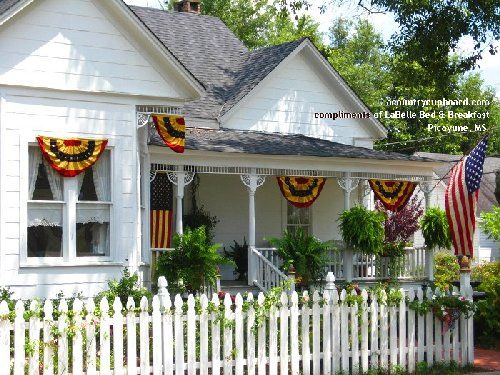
(252, 142)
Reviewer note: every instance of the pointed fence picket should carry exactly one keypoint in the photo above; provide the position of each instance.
(314, 334)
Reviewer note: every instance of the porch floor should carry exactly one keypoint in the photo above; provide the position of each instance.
(234, 287)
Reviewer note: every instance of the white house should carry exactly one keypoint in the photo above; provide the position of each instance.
(97, 70)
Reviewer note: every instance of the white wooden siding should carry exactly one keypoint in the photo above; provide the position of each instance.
(287, 101)
(72, 45)
(25, 114)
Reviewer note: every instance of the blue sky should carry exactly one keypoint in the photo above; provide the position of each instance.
(384, 23)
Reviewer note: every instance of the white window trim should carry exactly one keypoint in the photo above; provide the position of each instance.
(69, 258)
(284, 216)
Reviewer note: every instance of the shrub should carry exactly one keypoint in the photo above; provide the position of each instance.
(490, 222)
(239, 255)
(127, 286)
(192, 263)
(363, 229)
(306, 253)
(487, 317)
(435, 229)
(446, 270)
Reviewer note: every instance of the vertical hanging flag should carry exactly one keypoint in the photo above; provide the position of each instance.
(172, 130)
(161, 211)
(461, 199)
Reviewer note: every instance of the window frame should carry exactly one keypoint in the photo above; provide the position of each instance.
(69, 206)
(284, 215)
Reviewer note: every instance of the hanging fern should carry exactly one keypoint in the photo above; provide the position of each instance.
(363, 229)
(435, 229)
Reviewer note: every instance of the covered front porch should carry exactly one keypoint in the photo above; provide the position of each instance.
(241, 190)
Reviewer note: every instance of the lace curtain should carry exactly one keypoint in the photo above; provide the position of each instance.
(101, 172)
(35, 158)
(55, 182)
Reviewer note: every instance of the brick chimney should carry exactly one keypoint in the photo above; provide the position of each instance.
(189, 6)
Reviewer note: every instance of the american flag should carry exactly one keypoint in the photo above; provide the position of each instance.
(161, 211)
(461, 199)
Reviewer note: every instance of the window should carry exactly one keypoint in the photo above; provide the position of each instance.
(45, 208)
(68, 217)
(298, 217)
(93, 209)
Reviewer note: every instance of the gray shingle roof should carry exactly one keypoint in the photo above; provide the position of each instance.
(214, 55)
(252, 142)
(5, 5)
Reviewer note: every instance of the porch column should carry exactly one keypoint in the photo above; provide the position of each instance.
(426, 188)
(180, 179)
(252, 181)
(348, 184)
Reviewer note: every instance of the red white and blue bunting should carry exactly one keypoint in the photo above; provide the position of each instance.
(301, 191)
(393, 194)
(70, 157)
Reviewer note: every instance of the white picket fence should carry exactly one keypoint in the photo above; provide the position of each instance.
(318, 334)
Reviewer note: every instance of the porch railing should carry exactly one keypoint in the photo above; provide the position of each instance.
(267, 274)
(366, 266)
(208, 289)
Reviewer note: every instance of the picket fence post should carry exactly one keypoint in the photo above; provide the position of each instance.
(316, 333)
(261, 339)
(157, 340)
(411, 333)
(344, 334)
(105, 341)
(238, 335)
(19, 339)
(273, 341)
(215, 336)
(34, 337)
(384, 328)
(179, 335)
(327, 351)
(306, 351)
(335, 331)
(402, 330)
(4, 338)
(429, 324)
(250, 336)
(77, 338)
(91, 338)
(131, 338)
(62, 349)
(374, 347)
(294, 333)
(284, 334)
(48, 348)
(191, 336)
(364, 331)
(228, 336)
(204, 335)
(354, 334)
(421, 329)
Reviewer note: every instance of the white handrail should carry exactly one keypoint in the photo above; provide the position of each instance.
(267, 274)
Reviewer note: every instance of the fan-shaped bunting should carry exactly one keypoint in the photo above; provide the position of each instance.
(301, 191)
(172, 130)
(70, 157)
(393, 194)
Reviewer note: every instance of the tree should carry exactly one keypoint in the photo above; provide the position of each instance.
(260, 23)
(382, 79)
(430, 31)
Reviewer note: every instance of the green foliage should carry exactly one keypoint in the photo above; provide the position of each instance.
(261, 23)
(442, 305)
(446, 270)
(193, 263)
(239, 255)
(306, 253)
(487, 318)
(363, 229)
(491, 223)
(199, 217)
(127, 286)
(6, 295)
(435, 229)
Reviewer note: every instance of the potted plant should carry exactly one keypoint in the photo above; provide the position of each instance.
(305, 253)
(363, 229)
(435, 229)
(239, 255)
(193, 263)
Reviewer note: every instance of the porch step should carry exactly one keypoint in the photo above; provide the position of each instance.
(234, 287)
